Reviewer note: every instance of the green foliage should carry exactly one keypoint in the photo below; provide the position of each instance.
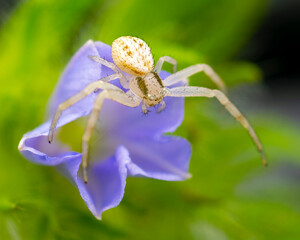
(230, 195)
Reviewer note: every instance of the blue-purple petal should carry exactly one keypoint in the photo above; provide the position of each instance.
(130, 122)
(80, 71)
(165, 158)
(107, 177)
(146, 152)
(35, 147)
(107, 180)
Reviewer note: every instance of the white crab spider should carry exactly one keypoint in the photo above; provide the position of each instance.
(132, 55)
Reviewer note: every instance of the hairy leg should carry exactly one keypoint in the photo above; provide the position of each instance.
(223, 99)
(100, 84)
(115, 95)
(123, 80)
(144, 108)
(189, 71)
(161, 107)
(161, 61)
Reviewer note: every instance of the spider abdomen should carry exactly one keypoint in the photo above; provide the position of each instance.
(132, 55)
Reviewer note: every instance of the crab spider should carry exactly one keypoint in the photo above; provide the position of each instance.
(133, 56)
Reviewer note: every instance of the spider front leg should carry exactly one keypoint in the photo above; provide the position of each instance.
(100, 84)
(144, 108)
(161, 107)
(123, 80)
(115, 95)
(189, 71)
(223, 99)
(161, 61)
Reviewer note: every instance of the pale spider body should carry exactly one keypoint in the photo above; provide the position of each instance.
(133, 56)
(150, 88)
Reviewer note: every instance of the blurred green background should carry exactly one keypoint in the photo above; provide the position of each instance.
(230, 196)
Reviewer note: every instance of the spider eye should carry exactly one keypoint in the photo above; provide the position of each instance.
(151, 97)
(163, 91)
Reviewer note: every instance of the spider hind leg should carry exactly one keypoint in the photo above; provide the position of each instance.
(230, 107)
(115, 95)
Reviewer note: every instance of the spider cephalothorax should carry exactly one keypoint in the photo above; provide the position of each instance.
(149, 87)
(133, 56)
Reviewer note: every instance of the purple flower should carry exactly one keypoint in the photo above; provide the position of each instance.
(134, 145)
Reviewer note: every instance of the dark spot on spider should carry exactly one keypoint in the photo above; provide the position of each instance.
(145, 113)
(141, 44)
(96, 90)
(129, 53)
(125, 48)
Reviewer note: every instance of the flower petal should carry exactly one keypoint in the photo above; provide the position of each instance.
(165, 158)
(121, 120)
(107, 180)
(153, 155)
(35, 147)
(80, 71)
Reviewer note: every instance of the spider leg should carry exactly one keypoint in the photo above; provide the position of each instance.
(100, 84)
(161, 61)
(144, 108)
(161, 107)
(123, 80)
(223, 99)
(172, 61)
(189, 71)
(112, 94)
